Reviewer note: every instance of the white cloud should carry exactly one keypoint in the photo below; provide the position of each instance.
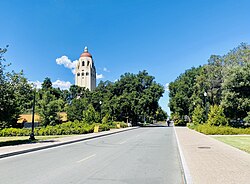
(99, 76)
(61, 84)
(105, 69)
(67, 63)
(166, 87)
(37, 84)
(57, 84)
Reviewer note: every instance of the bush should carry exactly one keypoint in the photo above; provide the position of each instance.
(67, 128)
(15, 132)
(247, 119)
(123, 125)
(216, 116)
(220, 130)
(198, 115)
(105, 119)
(180, 122)
(62, 129)
(103, 127)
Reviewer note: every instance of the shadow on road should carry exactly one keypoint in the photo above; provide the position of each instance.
(26, 141)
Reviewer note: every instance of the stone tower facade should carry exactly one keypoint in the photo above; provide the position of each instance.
(85, 73)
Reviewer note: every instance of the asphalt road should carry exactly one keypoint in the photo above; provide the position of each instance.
(144, 155)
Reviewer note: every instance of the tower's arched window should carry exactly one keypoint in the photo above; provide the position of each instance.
(82, 63)
(87, 73)
(82, 73)
(88, 63)
(78, 74)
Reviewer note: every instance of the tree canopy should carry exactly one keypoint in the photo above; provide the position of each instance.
(226, 81)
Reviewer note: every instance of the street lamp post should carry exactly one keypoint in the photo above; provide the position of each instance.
(32, 135)
(205, 96)
(101, 109)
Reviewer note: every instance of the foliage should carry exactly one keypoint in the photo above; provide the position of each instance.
(216, 116)
(198, 115)
(48, 108)
(181, 91)
(247, 119)
(68, 128)
(47, 84)
(220, 130)
(226, 81)
(75, 109)
(236, 85)
(90, 115)
(180, 122)
(15, 94)
(106, 119)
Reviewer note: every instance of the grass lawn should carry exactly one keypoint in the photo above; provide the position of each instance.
(9, 141)
(241, 142)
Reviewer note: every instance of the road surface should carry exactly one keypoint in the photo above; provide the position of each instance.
(144, 155)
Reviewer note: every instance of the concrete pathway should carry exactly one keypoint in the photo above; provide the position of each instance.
(210, 161)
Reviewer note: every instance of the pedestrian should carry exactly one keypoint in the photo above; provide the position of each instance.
(168, 122)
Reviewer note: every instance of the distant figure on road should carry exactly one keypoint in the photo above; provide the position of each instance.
(168, 122)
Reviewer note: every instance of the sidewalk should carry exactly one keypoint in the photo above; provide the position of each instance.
(7, 151)
(210, 161)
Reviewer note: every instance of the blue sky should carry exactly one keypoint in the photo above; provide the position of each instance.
(161, 36)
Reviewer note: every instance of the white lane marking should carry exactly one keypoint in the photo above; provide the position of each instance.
(130, 138)
(187, 174)
(123, 142)
(86, 158)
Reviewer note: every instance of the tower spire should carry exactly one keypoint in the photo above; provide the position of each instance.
(85, 49)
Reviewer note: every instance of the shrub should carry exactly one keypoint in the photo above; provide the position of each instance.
(90, 115)
(198, 115)
(220, 130)
(216, 116)
(61, 129)
(105, 119)
(247, 119)
(180, 122)
(123, 125)
(104, 127)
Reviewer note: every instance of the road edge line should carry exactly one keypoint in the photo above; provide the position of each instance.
(187, 175)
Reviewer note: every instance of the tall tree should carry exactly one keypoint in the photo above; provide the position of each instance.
(15, 94)
(47, 84)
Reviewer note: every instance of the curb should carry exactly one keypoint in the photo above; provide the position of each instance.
(60, 144)
(187, 175)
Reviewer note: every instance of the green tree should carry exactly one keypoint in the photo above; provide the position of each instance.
(15, 94)
(47, 84)
(90, 115)
(198, 116)
(75, 109)
(182, 90)
(247, 120)
(48, 109)
(236, 84)
(216, 116)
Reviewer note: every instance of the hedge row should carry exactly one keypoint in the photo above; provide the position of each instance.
(219, 130)
(68, 128)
